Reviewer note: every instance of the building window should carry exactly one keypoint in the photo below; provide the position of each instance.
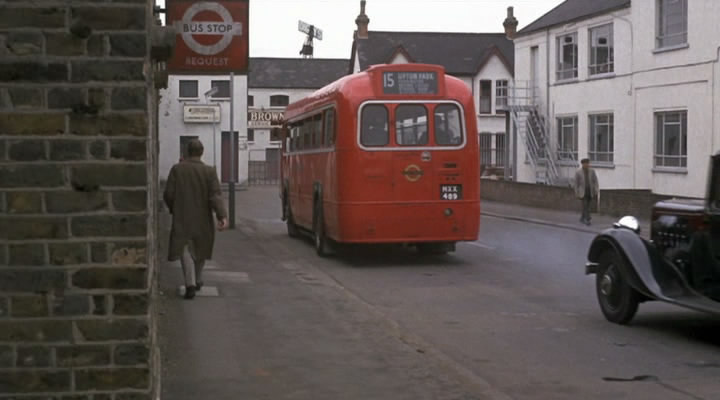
(567, 60)
(601, 141)
(671, 139)
(223, 89)
(251, 101)
(279, 100)
(501, 94)
(492, 149)
(189, 89)
(602, 55)
(485, 97)
(251, 135)
(567, 138)
(486, 148)
(672, 23)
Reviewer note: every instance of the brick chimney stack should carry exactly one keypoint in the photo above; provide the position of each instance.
(510, 24)
(362, 22)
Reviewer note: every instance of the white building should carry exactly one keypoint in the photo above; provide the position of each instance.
(260, 99)
(483, 60)
(186, 112)
(632, 85)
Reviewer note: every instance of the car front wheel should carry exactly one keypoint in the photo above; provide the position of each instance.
(618, 300)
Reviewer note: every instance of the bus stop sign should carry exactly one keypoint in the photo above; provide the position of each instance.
(212, 36)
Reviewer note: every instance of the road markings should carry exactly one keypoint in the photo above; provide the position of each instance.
(229, 276)
(481, 245)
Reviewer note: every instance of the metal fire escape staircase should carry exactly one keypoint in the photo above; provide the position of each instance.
(534, 130)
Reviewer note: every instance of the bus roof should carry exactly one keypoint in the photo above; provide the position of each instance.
(384, 81)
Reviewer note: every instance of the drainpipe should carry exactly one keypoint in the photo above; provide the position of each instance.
(715, 83)
(547, 75)
(634, 99)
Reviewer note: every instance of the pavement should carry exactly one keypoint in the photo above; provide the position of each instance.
(252, 333)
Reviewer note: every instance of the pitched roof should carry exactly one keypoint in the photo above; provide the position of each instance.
(459, 53)
(573, 10)
(300, 73)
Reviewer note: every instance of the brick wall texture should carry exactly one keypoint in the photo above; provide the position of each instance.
(76, 265)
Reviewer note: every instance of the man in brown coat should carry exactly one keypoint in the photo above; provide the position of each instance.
(587, 189)
(192, 193)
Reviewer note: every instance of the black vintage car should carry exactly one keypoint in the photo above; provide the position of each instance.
(680, 264)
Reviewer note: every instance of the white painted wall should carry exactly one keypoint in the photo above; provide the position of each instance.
(172, 126)
(644, 82)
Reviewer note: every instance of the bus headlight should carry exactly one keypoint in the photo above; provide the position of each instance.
(448, 212)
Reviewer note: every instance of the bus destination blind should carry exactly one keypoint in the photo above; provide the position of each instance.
(395, 82)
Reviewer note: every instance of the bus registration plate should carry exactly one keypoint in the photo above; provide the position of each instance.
(451, 192)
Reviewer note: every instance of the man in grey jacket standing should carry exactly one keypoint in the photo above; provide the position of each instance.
(586, 188)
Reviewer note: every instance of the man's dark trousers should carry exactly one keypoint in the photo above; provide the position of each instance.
(586, 205)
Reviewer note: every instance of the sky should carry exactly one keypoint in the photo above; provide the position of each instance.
(274, 23)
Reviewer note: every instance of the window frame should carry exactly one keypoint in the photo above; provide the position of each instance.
(482, 95)
(572, 154)
(501, 94)
(594, 67)
(274, 97)
(220, 84)
(683, 143)
(593, 125)
(662, 25)
(560, 74)
(180, 91)
(251, 100)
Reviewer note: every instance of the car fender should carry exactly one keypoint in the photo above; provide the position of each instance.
(638, 269)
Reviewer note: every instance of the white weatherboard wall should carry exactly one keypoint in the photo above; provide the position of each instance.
(645, 81)
(493, 70)
(172, 125)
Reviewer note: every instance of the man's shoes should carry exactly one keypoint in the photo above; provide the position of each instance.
(198, 285)
(189, 292)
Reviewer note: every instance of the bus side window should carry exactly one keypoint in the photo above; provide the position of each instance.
(374, 125)
(317, 132)
(330, 127)
(306, 133)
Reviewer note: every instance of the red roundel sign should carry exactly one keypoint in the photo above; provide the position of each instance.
(211, 36)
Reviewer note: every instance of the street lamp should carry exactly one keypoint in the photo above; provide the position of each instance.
(212, 92)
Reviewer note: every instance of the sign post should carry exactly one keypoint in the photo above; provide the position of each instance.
(233, 150)
(213, 39)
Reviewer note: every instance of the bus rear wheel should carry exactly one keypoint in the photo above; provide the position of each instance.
(322, 243)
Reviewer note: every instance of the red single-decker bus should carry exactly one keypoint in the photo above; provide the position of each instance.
(387, 155)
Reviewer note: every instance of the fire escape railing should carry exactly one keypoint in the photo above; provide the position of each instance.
(534, 130)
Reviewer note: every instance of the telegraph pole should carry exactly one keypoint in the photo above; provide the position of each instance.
(233, 150)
